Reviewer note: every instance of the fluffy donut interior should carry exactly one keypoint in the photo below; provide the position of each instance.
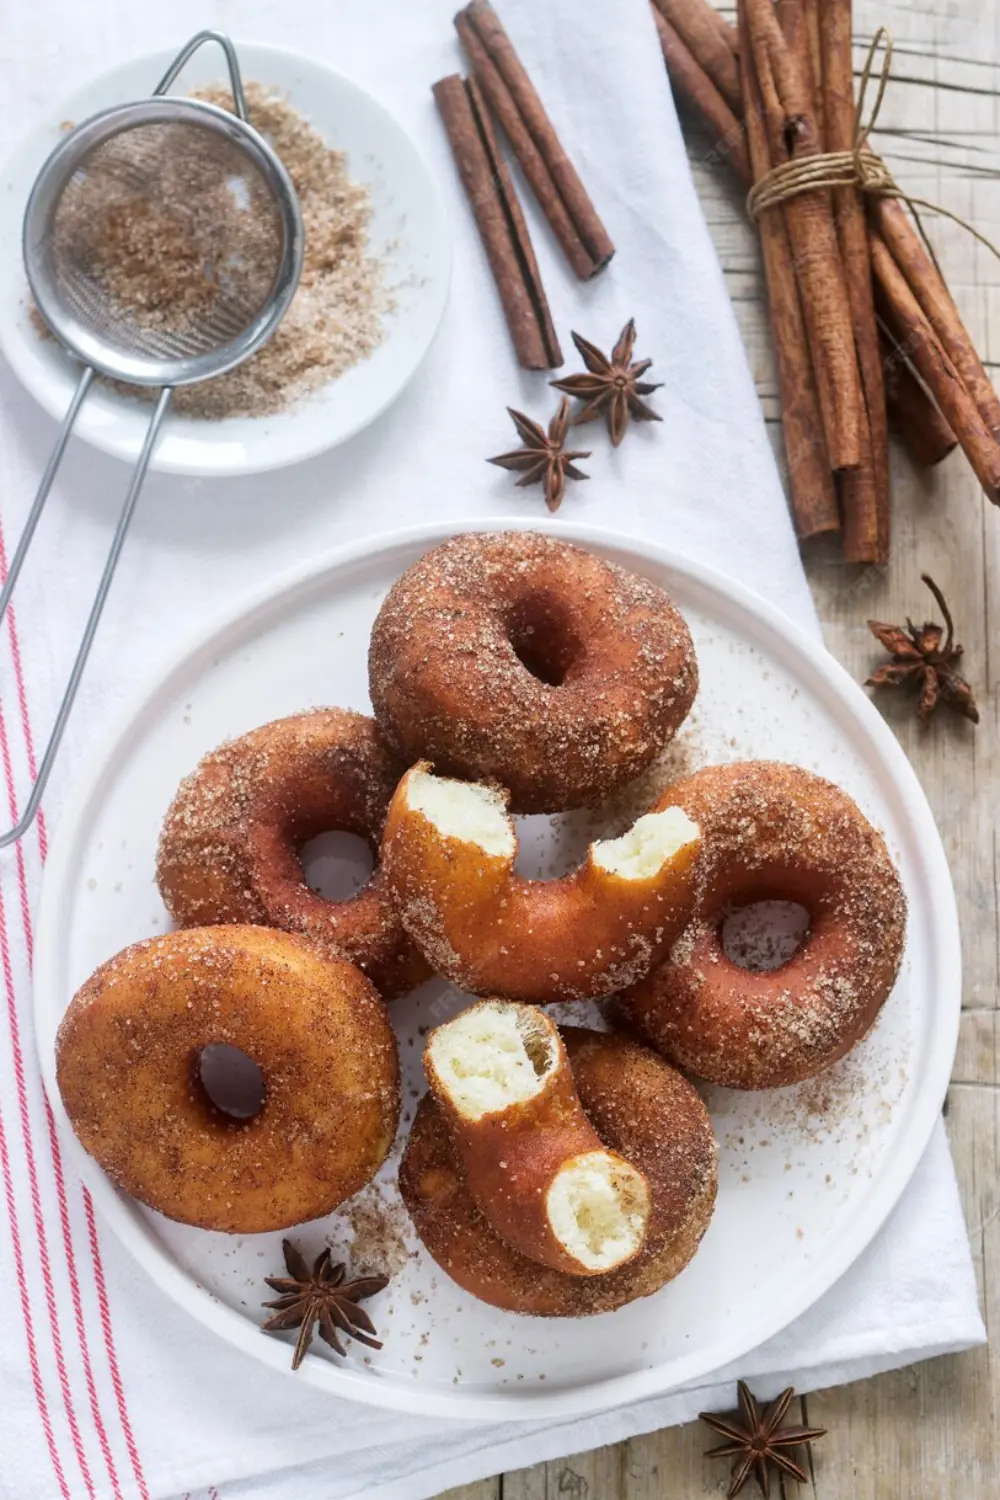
(492, 1056)
(598, 1207)
(464, 810)
(642, 852)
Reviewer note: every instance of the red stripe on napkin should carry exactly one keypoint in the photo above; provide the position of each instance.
(25, 1115)
(29, 1326)
(100, 1285)
(81, 1327)
(109, 1343)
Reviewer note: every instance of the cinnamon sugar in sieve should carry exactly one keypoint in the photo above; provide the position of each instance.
(336, 318)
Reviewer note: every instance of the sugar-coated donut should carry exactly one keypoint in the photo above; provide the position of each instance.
(448, 855)
(229, 850)
(128, 1054)
(775, 832)
(536, 1167)
(517, 657)
(640, 1107)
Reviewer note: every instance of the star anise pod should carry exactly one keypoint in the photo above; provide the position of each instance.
(544, 459)
(613, 385)
(321, 1296)
(758, 1442)
(920, 660)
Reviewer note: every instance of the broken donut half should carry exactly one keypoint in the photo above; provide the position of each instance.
(534, 1164)
(448, 854)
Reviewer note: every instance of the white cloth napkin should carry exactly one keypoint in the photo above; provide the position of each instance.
(109, 1390)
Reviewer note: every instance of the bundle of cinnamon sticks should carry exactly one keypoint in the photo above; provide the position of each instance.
(500, 87)
(865, 329)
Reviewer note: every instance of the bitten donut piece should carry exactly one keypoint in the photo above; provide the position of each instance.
(774, 832)
(448, 856)
(229, 849)
(128, 1058)
(642, 1109)
(535, 1165)
(517, 657)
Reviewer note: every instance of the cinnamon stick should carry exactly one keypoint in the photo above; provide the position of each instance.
(814, 501)
(812, 14)
(710, 40)
(913, 417)
(490, 190)
(799, 21)
(791, 16)
(867, 510)
(554, 180)
(864, 497)
(902, 239)
(790, 119)
(695, 88)
(859, 504)
(936, 368)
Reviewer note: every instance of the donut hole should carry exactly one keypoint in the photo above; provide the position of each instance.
(597, 1206)
(542, 640)
(535, 656)
(337, 865)
(491, 1056)
(763, 935)
(231, 1082)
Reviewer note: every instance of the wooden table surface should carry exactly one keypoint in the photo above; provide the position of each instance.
(931, 1431)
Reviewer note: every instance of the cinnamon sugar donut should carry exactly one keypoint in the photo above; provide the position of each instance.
(128, 1056)
(518, 657)
(775, 832)
(229, 849)
(639, 1107)
(448, 854)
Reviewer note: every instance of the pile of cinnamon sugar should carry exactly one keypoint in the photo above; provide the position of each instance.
(337, 316)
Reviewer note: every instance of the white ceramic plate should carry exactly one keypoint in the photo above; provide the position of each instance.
(807, 1174)
(408, 230)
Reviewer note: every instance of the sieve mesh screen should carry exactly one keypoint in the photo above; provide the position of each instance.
(165, 240)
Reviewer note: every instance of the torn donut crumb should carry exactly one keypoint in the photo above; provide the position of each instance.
(492, 1056)
(598, 1206)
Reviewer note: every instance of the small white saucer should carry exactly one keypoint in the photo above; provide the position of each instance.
(409, 232)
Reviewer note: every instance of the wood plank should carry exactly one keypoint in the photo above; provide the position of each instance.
(928, 1430)
(487, 1489)
(583, 1476)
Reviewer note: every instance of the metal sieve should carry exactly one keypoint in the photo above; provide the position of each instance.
(198, 188)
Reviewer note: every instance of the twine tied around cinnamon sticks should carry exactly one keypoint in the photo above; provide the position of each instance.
(846, 289)
(860, 168)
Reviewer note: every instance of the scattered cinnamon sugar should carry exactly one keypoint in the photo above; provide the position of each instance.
(378, 1226)
(336, 318)
(839, 1109)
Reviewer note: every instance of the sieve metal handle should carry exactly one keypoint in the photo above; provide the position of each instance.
(260, 330)
(232, 63)
(93, 619)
